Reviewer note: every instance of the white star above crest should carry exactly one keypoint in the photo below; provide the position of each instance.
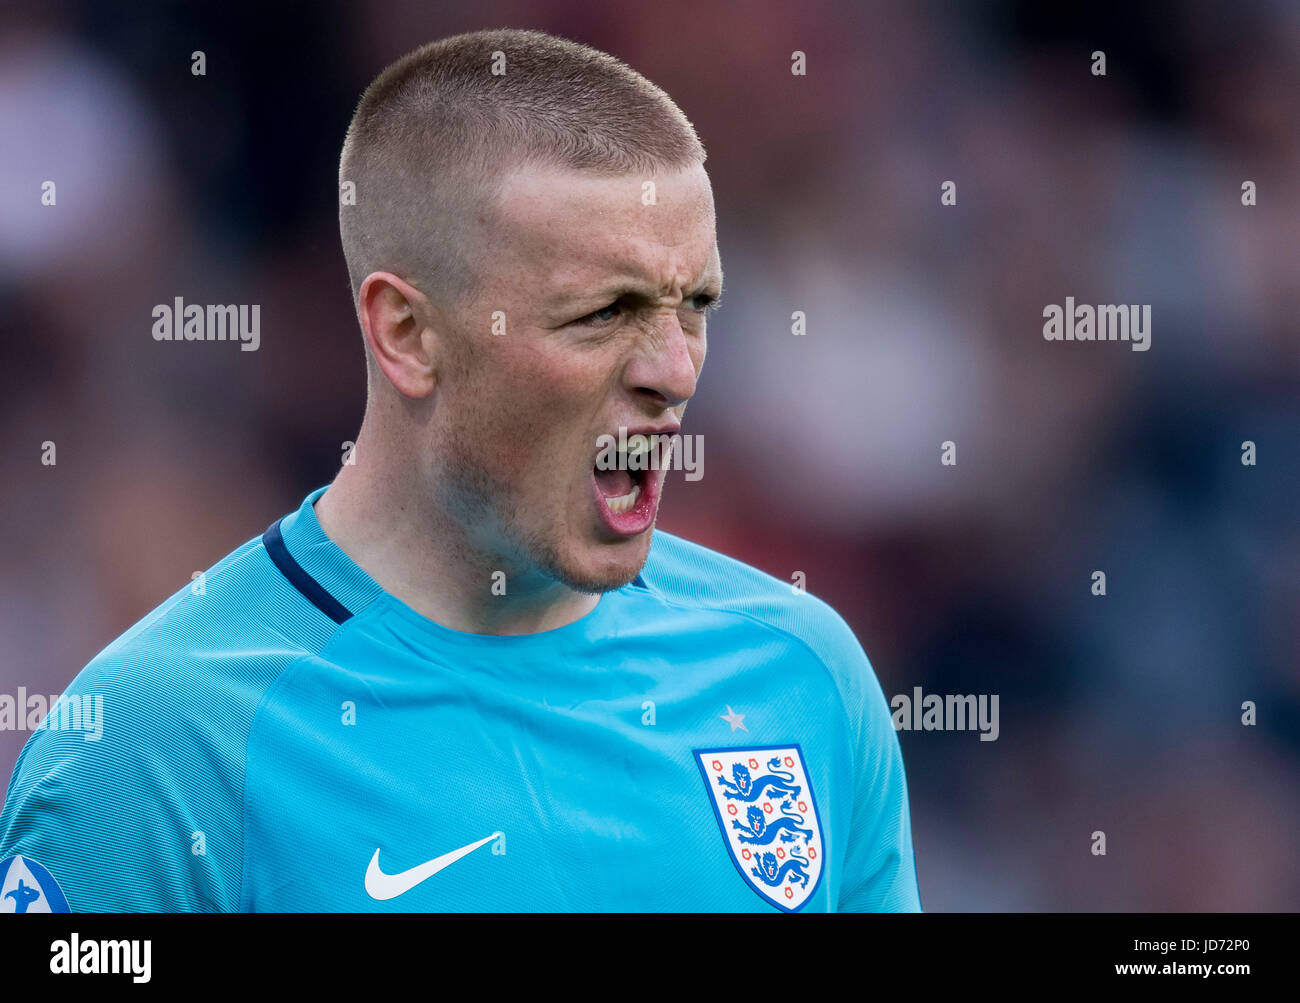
(737, 721)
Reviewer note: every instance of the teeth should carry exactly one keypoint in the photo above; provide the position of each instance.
(624, 503)
(639, 454)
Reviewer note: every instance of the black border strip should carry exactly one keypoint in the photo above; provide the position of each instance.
(313, 590)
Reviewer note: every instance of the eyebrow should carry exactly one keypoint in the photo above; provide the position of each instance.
(625, 287)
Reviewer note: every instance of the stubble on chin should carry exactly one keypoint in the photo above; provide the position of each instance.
(490, 517)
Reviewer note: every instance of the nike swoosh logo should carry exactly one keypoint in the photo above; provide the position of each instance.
(383, 886)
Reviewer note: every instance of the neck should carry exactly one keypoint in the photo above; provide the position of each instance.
(395, 532)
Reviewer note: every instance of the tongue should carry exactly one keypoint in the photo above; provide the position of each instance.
(614, 483)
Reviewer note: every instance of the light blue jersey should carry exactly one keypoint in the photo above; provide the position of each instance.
(289, 737)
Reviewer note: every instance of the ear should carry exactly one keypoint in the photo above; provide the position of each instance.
(397, 320)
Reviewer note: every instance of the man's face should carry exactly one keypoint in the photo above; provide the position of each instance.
(603, 300)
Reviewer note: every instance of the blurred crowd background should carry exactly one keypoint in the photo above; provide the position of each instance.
(1119, 713)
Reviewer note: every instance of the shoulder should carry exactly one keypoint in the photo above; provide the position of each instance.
(145, 749)
(241, 606)
(687, 574)
(190, 674)
(210, 648)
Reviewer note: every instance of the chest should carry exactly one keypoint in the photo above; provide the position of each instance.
(466, 794)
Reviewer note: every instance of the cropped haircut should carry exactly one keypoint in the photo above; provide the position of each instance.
(436, 133)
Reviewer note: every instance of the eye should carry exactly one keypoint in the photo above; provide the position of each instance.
(706, 303)
(601, 317)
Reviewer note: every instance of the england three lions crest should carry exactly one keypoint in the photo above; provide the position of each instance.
(765, 806)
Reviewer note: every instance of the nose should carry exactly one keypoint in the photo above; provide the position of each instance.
(666, 364)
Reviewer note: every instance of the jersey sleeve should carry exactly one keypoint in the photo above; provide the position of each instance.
(879, 868)
(139, 817)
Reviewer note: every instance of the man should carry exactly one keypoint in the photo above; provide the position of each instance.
(470, 654)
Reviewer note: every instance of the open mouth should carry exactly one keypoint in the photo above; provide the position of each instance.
(626, 486)
(619, 488)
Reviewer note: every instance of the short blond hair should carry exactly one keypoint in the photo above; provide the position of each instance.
(437, 129)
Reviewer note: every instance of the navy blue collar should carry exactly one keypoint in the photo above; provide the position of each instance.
(318, 568)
